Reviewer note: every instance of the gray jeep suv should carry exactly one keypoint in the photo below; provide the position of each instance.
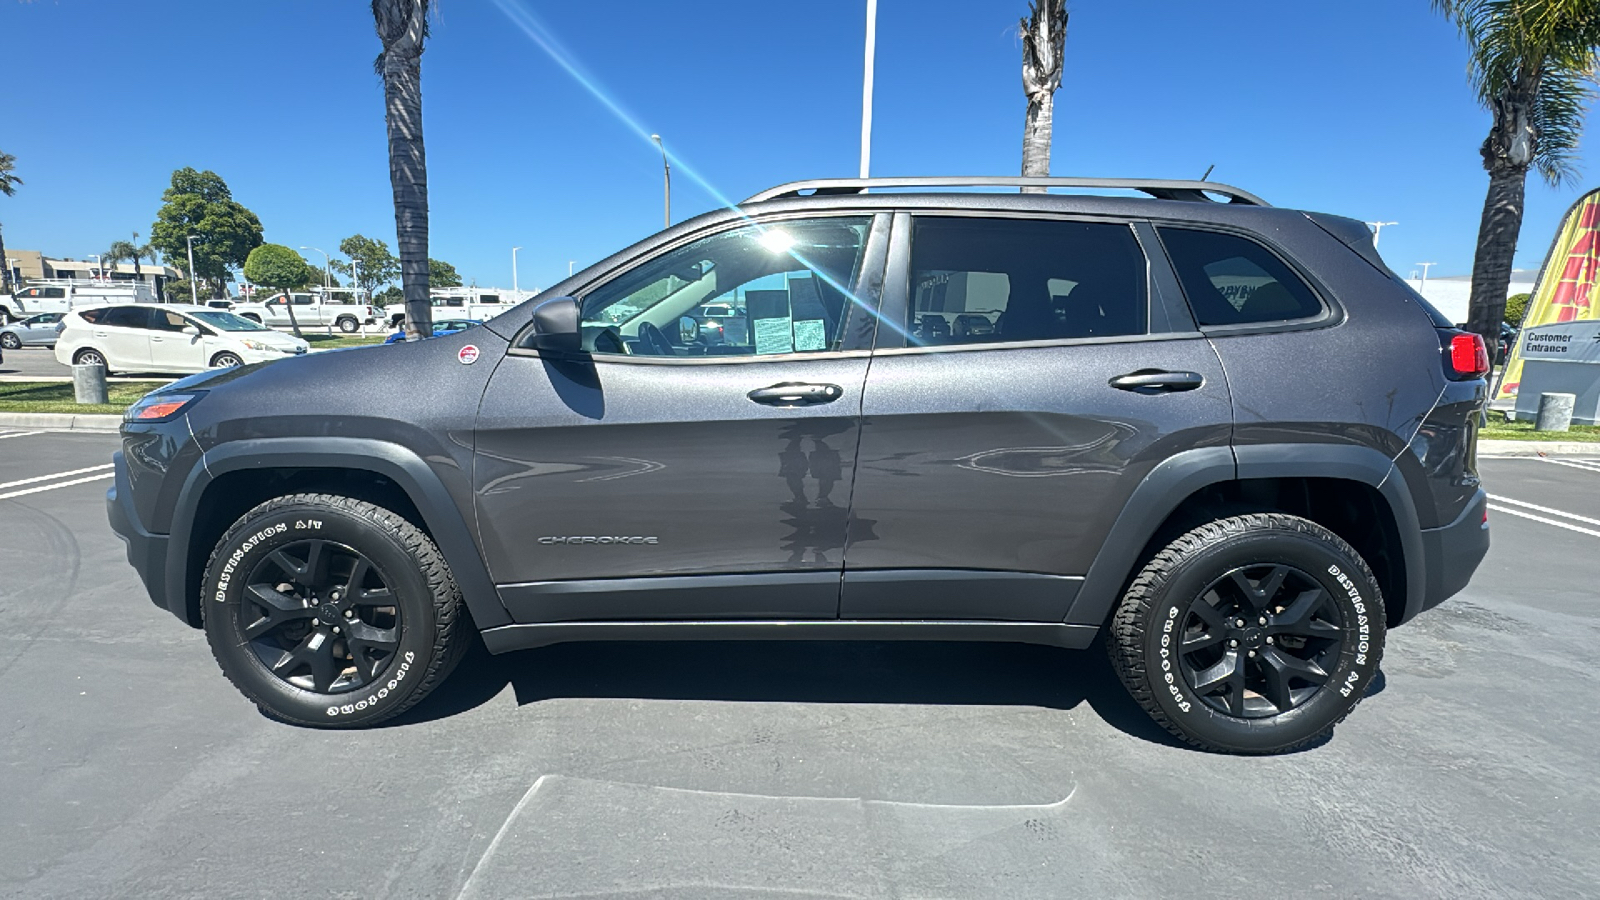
(1222, 435)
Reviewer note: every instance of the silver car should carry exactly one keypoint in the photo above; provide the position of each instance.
(34, 331)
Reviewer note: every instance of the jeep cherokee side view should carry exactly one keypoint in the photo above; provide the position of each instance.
(1224, 435)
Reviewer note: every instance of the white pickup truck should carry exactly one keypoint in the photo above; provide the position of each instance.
(310, 310)
(63, 294)
(462, 303)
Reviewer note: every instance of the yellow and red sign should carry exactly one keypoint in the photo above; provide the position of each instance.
(1569, 284)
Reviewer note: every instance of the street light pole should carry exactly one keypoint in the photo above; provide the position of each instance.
(327, 267)
(666, 173)
(570, 263)
(1377, 230)
(194, 292)
(1425, 268)
(866, 87)
(99, 266)
(514, 269)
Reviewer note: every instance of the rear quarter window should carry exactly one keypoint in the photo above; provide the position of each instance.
(1231, 280)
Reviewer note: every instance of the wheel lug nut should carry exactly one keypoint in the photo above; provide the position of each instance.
(336, 631)
(316, 621)
(1239, 623)
(1252, 652)
(1269, 640)
(349, 614)
(1263, 620)
(1233, 643)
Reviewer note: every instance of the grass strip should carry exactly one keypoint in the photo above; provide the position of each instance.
(56, 396)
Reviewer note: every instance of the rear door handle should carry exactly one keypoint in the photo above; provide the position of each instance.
(795, 393)
(1157, 381)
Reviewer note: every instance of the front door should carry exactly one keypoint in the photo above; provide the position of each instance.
(1007, 422)
(170, 349)
(667, 476)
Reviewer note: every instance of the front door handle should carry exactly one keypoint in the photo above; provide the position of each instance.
(1157, 381)
(795, 393)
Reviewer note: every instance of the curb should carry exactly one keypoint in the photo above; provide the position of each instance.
(1537, 448)
(99, 422)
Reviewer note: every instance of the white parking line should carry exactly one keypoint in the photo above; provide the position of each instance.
(1584, 464)
(62, 484)
(1525, 505)
(40, 478)
(10, 434)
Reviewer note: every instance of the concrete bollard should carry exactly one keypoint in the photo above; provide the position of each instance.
(89, 384)
(1555, 412)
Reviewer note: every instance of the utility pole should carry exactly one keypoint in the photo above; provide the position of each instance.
(514, 269)
(1377, 230)
(1425, 268)
(866, 87)
(194, 291)
(666, 173)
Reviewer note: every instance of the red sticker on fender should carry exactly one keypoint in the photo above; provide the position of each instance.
(468, 354)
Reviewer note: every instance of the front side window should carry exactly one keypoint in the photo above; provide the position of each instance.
(758, 290)
(981, 280)
(1230, 280)
(227, 321)
(167, 320)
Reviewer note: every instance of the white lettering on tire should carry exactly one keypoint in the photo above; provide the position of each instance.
(373, 698)
(1363, 628)
(1166, 660)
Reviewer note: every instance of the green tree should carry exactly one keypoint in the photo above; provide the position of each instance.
(8, 186)
(402, 27)
(276, 266)
(120, 251)
(442, 274)
(1044, 37)
(375, 265)
(1516, 308)
(200, 204)
(1533, 65)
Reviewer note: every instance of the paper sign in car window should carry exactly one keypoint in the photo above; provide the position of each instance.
(810, 335)
(774, 336)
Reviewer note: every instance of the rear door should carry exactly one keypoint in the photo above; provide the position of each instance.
(122, 333)
(1034, 375)
(664, 477)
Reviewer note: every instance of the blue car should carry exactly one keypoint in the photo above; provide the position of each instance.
(440, 329)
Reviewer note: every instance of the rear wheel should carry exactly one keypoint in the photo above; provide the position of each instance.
(226, 360)
(331, 612)
(10, 341)
(349, 325)
(89, 356)
(1252, 634)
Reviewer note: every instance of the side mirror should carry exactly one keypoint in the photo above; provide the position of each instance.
(556, 327)
(191, 331)
(688, 329)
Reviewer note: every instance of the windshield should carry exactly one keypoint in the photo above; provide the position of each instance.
(227, 321)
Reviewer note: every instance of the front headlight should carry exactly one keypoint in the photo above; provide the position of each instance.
(160, 407)
(257, 345)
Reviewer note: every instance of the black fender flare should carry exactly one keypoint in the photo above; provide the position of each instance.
(404, 467)
(1179, 476)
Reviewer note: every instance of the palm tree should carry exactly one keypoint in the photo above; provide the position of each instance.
(1044, 38)
(8, 186)
(1533, 66)
(402, 26)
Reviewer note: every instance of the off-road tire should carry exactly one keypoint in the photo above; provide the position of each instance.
(348, 325)
(1145, 649)
(434, 628)
(10, 341)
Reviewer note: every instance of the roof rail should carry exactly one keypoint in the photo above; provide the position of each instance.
(1157, 188)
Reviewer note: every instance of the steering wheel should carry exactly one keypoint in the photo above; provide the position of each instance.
(652, 342)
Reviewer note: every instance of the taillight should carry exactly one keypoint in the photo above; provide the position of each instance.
(1469, 357)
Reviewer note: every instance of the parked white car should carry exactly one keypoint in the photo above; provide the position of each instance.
(169, 339)
(310, 310)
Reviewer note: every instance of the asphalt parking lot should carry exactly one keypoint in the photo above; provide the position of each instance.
(129, 767)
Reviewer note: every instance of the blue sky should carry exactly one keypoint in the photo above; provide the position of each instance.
(1359, 108)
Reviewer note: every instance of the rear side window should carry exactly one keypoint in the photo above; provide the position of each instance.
(92, 316)
(125, 317)
(1233, 281)
(982, 280)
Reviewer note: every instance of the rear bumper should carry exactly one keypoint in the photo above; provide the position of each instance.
(146, 552)
(1454, 551)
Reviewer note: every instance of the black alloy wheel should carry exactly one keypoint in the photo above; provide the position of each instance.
(1260, 641)
(319, 616)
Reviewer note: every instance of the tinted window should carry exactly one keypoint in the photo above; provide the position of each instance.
(786, 286)
(167, 320)
(977, 280)
(1233, 281)
(125, 317)
(489, 298)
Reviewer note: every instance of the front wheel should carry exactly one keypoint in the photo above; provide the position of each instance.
(226, 360)
(1252, 634)
(331, 612)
